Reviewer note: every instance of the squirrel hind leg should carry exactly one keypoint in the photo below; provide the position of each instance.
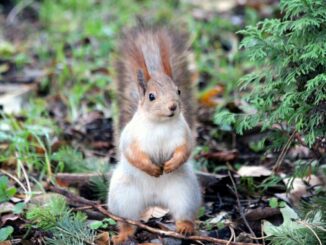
(185, 227)
(125, 231)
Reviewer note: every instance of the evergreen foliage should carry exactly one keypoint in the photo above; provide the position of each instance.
(289, 86)
(307, 226)
(71, 160)
(66, 227)
(99, 186)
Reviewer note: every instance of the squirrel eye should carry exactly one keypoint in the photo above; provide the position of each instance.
(179, 92)
(151, 97)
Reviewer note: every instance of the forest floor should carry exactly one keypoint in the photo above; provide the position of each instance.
(56, 126)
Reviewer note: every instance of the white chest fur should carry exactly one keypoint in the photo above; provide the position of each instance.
(158, 140)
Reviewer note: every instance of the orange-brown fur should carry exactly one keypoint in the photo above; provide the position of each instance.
(141, 160)
(185, 227)
(125, 231)
(180, 156)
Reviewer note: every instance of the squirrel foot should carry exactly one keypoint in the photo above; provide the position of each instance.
(125, 231)
(185, 227)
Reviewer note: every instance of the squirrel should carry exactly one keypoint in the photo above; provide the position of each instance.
(155, 99)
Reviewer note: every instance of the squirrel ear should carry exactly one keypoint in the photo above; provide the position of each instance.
(141, 81)
(165, 56)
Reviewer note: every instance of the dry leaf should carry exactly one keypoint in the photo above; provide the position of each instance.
(209, 97)
(254, 171)
(5, 243)
(14, 97)
(6, 207)
(154, 212)
(219, 217)
(299, 188)
(212, 5)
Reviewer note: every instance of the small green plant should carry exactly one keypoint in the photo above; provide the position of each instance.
(304, 226)
(99, 186)
(258, 146)
(5, 232)
(103, 224)
(19, 208)
(275, 203)
(248, 185)
(65, 226)
(6, 192)
(270, 182)
(25, 138)
(289, 86)
(46, 217)
(71, 160)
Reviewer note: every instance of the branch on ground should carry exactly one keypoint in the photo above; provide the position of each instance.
(97, 206)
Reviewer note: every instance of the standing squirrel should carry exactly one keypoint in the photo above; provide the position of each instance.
(155, 100)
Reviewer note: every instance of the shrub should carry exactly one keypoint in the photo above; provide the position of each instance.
(289, 85)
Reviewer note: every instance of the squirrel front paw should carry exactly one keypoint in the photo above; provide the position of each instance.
(153, 170)
(170, 166)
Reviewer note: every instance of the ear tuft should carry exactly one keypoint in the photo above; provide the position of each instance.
(165, 55)
(141, 81)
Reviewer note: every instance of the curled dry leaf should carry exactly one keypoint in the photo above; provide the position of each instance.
(8, 217)
(300, 186)
(154, 212)
(209, 97)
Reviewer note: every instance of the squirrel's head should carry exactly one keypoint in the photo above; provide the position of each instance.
(160, 97)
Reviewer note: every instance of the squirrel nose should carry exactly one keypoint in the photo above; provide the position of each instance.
(173, 107)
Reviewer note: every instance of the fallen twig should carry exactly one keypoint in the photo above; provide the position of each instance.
(75, 200)
(169, 233)
(96, 205)
(79, 179)
(223, 156)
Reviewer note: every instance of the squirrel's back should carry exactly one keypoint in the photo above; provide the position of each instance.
(150, 51)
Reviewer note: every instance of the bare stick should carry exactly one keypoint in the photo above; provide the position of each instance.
(283, 152)
(239, 206)
(77, 200)
(169, 233)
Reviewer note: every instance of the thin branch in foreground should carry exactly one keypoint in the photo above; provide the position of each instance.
(239, 207)
(283, 153)
(96, 205)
